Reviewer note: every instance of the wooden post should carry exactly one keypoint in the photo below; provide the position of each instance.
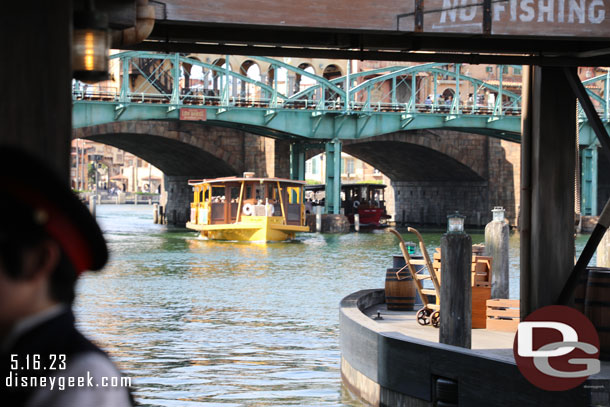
(456, 291)
(318, 218)
(92, 202)
(496, 246)
(357, 222)
(156, 213)
(547, 199)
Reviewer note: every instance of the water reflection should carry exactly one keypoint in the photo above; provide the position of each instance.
(204, 323)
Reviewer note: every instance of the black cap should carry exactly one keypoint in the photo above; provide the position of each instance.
(42, 198)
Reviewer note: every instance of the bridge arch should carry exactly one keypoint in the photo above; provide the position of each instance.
(433, 173)
(187, 150)
(332, 71)
(171, 148)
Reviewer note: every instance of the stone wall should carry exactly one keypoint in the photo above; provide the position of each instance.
(428, 203)
(505, 177)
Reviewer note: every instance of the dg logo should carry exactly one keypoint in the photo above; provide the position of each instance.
(556, 348)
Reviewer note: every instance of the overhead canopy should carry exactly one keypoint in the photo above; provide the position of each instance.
(539, 31)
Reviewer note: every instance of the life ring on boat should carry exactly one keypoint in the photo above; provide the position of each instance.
(248, 209)
(356, 204)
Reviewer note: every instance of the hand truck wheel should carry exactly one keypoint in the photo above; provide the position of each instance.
(423, 316)
(436, 319)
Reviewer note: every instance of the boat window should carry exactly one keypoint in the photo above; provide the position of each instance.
(260, 192)
(293, 195)
(206, 195)
(248, 192)
(273, 194)
(234, 194)
(218, 194)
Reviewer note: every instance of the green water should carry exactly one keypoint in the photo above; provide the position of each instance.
(202, 323)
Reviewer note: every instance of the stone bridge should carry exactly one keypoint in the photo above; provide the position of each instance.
(433, 172)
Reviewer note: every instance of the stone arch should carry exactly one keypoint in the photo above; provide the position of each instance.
(252, 70)
(448, 93)
(193, 75)
(175, 148)
(187, 150)
(332, 71)
(436, 172)
(217, 78)
(467, 149)
(301, 81)
(412, 162)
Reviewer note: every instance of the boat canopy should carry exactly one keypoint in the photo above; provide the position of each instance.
(194, 182)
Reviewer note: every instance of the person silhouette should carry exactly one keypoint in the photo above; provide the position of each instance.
(47, 239)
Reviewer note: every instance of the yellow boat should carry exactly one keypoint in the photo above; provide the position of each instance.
(247, 208)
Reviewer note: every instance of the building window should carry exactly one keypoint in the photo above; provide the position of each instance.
(517, 70)
(350, 166)
(315, 165)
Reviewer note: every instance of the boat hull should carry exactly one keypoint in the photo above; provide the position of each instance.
(368, 217)
(250, 229)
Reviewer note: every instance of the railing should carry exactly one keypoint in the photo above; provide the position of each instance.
(401, 89)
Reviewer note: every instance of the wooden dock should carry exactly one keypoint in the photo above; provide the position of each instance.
(487, 343)
(396, 362)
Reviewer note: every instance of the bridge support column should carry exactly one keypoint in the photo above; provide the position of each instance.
(297, 161)
(547, 199)
(177, 206)
(588, 157)
(333, 177)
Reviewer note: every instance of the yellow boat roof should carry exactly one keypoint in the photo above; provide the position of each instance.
(240, 179)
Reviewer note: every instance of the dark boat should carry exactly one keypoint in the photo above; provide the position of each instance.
(364, 199)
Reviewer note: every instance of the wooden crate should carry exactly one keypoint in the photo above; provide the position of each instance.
(481, 271)
(480, 295)
(481, 286)
(503, 315)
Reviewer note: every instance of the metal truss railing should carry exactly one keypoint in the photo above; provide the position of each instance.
(153, 78)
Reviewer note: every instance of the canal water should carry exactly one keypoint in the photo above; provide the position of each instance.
(203, 323)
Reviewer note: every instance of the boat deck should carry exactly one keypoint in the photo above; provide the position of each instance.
(496, 344)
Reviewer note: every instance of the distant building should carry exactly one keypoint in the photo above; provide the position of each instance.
(116, 169)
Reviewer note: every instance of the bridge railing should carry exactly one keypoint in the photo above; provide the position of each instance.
(171, 79)
(598, 87)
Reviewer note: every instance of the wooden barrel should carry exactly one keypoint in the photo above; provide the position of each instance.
(398, 261)
(597, 306)
(399, 294)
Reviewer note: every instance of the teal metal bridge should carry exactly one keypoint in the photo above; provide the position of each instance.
(319, 114)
